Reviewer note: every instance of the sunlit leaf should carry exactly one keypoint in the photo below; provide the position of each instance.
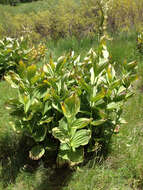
(81, 137)
(71, 106)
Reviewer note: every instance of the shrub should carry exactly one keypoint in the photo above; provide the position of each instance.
(68, 106)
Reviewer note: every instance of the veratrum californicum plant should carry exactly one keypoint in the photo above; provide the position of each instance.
(70, 106)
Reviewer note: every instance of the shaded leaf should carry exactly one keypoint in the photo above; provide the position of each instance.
(36, 152)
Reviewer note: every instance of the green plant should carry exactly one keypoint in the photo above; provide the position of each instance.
(69, 106)
(12, 51)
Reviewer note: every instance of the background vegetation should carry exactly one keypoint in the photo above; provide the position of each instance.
(59, 19)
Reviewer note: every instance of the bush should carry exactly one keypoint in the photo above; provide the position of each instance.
(70, 107)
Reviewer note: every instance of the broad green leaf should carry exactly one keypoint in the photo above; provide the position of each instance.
(51, 63)
(61, 132)
(121, 89)
(47, 107)
(103, 114)
(99, 96)
(98, 122)
(9, 79)
(48, 70)
(64, 146)
(46, 120)
(46, 97)
(81, 137)
(115, 84)
(84, 85)
(99, 103)
(31, 71)
(101, 66)
(40, 134)
(74, 157)
(114, 105)
(60, 63)
(28, 117)
(81, 123)
(109, 74)
(36, 106)
(22, 69)
(71, 106)
(129, 95)
(27, 104)
(57, 106)
(25, 100)
(36, 152)
(63, 124)
(28, 101)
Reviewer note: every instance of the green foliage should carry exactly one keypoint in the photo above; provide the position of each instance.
(13, 51)
(58, 19)
(71, 106)
(125, 15)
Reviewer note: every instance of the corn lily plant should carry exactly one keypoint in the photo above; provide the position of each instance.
(70, 106)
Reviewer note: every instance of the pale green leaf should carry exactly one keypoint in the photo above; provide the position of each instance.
(98, 122)
(81, 123)
(71, 106)
(81, 137)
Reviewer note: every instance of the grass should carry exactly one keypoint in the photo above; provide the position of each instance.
(25, 8)
(123, 168)
(63, 46)
(6, 92)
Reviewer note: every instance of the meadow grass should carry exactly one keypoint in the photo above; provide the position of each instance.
(123, 168)
(26, 8)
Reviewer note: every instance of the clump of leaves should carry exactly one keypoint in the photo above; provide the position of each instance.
(68, 106)
(12, 51)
